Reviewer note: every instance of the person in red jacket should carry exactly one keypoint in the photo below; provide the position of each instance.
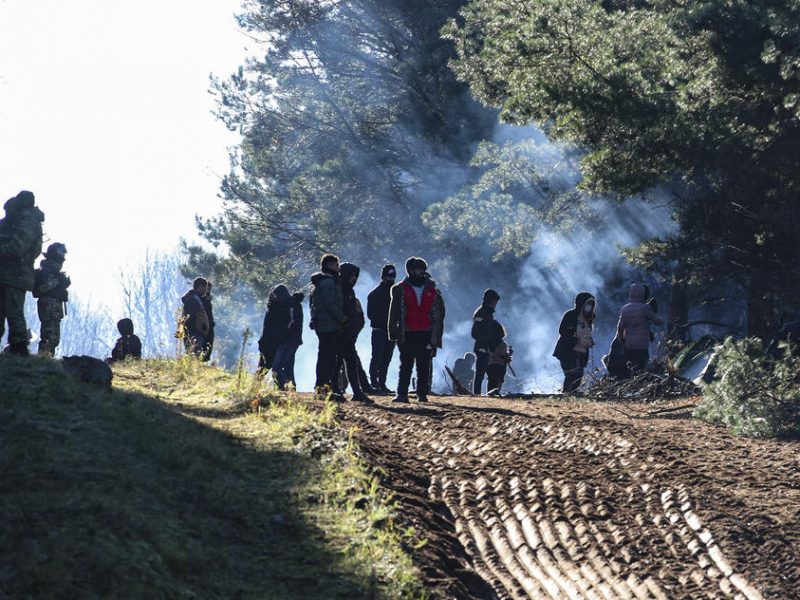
(416, 323)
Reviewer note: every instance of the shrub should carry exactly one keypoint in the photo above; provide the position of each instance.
(753, 393)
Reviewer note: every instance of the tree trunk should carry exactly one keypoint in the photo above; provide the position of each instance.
(760, 310)
(677, 331)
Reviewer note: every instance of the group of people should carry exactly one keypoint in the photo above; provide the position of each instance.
(629, 352)
(21, 239)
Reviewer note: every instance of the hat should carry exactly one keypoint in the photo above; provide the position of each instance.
(490, 296)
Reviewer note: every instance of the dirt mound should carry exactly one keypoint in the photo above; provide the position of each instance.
(574, 500)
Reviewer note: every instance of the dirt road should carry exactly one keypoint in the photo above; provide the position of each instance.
(554, 499)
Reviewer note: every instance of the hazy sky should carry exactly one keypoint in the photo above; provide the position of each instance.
(105, 115)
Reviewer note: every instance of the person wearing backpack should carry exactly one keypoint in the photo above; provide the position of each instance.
(50, 289)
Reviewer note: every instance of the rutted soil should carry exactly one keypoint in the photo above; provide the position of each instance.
(557, 499)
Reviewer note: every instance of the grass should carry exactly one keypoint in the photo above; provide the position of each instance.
(173, 487)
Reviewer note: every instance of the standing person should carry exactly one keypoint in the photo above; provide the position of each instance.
(354, 323)
(575, 340)
(633, 328)
(378, 312)
(289, 323)
(484, 332)
(20, 245)
(128, 344)
(276, 320)
(194, 319)
(50, 288)
(416, 323)
(327, 320)
(209, 345)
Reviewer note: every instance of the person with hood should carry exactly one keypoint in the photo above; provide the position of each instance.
(128, 344)
(20, 245)
(575, 341)
(50, 288)
(484, 332)
(416, 323)
(194, 318)
(633, 328)
(208, 347)
(286, 328)
(464, 369)
(327, 319)
(378, 313)
(354, 323)
(275, 321)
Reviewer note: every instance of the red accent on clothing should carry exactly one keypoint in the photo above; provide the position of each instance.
(418, 315)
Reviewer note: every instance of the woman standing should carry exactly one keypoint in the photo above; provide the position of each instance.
(575, 340)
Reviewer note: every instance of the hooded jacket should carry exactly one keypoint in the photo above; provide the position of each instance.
(568, 328)
(128, 344)
(283, 323)
(351, 305)
(326, 303)
(485, 329)
(20, 242)
(633, 328)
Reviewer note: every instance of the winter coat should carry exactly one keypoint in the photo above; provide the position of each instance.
(378, 302)
(499, 355)
(127, 346)
(20, 243)
(635, 319)
(326, 303)
(486, 331)
(294, 329)
(195, 318)
(207, 299)
(352, 306)
(275, 330)
(397, 313)
(567, 330)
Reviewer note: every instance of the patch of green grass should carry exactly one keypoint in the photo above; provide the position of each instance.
(166, 488)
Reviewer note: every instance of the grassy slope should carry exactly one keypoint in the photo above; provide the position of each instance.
(168, 487)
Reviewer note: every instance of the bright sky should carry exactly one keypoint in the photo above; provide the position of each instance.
(105, 115)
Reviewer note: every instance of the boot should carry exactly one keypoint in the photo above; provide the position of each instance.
(422, 398)
(362, 397)
(402, 398)
(20, 349)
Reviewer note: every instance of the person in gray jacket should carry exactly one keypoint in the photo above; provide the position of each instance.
(327, 320)
(633, 329)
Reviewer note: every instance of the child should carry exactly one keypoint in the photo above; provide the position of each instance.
(499, 357)
(128, 344)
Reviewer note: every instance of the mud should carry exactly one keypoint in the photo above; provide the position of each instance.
(556, 499)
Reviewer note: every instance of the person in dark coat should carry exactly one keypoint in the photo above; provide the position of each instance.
(499, 359)
(416, 323)
(195, 322)
(285, 327)
(484, 333)
(378, 312)
(276, 321)
(575, 340)
(207, 304)
(128, 344)
(354, 323)
(327, 319)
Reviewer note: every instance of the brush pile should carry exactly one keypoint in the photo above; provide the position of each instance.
(643, 387)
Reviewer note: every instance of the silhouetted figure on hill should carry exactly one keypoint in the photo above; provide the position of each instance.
(485, 334)
(50, 288)
(20, 245)
(575, 341)
(328, 320)
(208, 347)
(194, 319)
(128, 345)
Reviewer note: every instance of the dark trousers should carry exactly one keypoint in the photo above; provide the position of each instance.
(12, 309)
(481, 365)
(283, 365)
(637, 359)
(382, 352)
(416, 348)
(497, 375)
(573, 365)
(348, 356)
(208, 347)
(194, 343)
(326, 358)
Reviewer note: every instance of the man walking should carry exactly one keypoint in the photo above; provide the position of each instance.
(416, 323)
(378, 312)
(20, 245)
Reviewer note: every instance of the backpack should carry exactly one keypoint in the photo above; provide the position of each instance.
(38, 282)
